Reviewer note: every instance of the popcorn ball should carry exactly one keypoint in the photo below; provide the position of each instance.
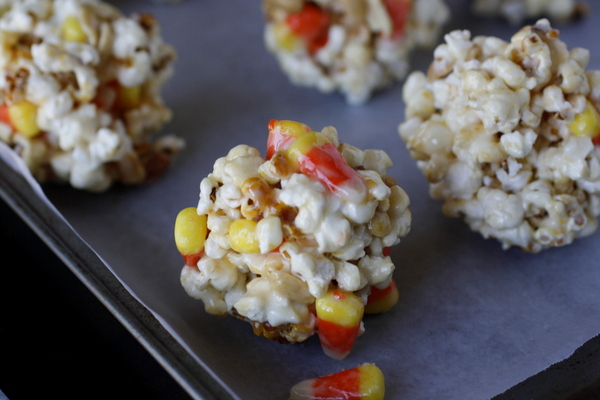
(517, 11)
(80, 92)
(294, 243)
(507, 135)
(354, 47)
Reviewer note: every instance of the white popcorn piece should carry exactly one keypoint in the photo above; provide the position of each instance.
(269, 233)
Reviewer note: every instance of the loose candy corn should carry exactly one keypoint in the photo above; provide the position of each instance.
(365, 382)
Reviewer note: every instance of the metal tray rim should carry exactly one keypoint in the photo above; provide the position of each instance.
(56, 233)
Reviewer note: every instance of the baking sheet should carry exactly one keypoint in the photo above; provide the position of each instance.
(472, 320)
(26, 198)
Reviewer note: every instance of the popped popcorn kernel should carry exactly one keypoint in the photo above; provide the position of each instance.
(517, 11)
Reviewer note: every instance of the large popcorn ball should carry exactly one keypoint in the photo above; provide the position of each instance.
(297, 240)
(80, 92)
(354, 47)
(517, 11)
(507, 134)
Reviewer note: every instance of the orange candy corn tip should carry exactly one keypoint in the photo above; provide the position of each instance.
(365, 382)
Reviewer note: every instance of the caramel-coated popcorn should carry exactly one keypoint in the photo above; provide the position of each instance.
(353, 47)
(506, 132)
(80, 93)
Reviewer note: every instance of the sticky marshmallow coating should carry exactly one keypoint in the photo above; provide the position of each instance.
(365, 48)
(309, 239)
(92, 81)
(490, 127)
(517, 11)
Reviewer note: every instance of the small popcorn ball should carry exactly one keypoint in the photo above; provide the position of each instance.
(517, 11)
(80, 92)
(354, 47)
(294, 243)
(507, 135)
(365, 382)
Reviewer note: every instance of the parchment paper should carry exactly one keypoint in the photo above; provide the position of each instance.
(472, 320)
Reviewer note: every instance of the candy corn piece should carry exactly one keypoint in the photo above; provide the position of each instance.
(23, 118)
(311, 24)
(399, 10)
(190, 233)
(339, 318)
(314, 155)
(382, 300)
(365, 382)
(587, 123)
(282, 134)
